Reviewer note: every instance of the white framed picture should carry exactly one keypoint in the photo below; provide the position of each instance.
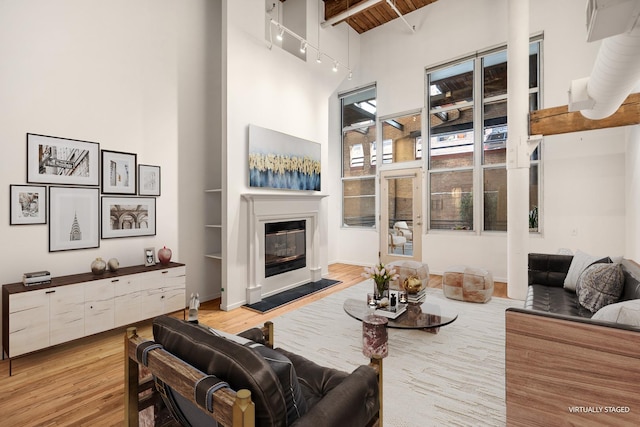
(149, 257)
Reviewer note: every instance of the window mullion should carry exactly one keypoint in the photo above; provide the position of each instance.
(478, 137)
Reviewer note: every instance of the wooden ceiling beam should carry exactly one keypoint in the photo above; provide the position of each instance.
(558, 120)
(336, 7)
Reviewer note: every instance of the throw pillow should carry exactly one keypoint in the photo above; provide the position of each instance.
(600, 285)
(284, 370)
(296, 403)
(625, 312)
(580, 261)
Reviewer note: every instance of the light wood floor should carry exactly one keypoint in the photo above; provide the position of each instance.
(82, 382)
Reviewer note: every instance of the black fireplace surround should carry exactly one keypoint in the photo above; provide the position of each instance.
(285, 247)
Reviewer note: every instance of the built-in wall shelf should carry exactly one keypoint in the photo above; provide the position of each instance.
(213, 220)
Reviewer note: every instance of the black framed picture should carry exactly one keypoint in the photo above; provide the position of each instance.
(148, 180)
(128, 217)
(55, 160)
(28, 204)
(74, 218)
(118, 172)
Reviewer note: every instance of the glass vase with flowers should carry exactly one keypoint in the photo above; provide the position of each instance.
(381, 276)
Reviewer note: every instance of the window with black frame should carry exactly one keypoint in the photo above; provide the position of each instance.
(359, 157)
(468, 131)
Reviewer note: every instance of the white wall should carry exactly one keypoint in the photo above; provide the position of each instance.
(276, 90)
(576, 165)
(119, 73)
(96, 71)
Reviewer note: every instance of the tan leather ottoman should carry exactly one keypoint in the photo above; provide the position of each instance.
(467, 284)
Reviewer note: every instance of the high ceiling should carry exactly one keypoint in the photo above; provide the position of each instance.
(364, 15)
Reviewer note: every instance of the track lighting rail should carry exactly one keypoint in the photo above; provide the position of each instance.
(304, 45)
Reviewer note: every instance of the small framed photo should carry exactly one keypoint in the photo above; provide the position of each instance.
(148, 180)
(28, 204)
(149, 256)
(128, 217)
(54, 160)
(74, 218)
(118, 172)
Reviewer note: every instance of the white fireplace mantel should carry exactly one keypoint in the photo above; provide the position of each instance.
(264, 208)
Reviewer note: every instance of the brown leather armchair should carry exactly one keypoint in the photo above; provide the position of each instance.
(206, 376)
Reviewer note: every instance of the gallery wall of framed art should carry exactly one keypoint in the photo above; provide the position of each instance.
(84, 194)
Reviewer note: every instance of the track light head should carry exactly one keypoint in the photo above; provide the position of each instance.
(335, 66)
(280, 35)
(303, 46)
(319, 58)
(350, 75)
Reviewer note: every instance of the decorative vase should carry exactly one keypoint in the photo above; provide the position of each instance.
(380, 289)
(412, 284)
(98, 266)
(113, 264)
(164, 255)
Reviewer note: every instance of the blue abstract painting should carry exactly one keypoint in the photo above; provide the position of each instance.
(278, 160)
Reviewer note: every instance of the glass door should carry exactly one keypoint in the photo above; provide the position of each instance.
(401, 214)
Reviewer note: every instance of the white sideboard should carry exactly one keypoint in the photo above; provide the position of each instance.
(72, 307)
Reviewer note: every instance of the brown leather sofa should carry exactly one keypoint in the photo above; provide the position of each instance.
(286, 389)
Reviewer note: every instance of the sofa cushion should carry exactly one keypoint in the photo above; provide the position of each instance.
(631, 272)
(626, 312)
(600, 285)
(316, 380)
(336, 398)
(579, 263)
(548, 269)
(553, 299)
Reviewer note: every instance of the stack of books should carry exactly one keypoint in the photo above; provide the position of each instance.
(36, 278)
(419, 297)
(390, 312)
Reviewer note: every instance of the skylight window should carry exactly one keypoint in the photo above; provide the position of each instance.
(368, 106)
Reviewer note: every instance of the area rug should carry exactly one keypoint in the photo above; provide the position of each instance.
(453, 378)
(290, 295)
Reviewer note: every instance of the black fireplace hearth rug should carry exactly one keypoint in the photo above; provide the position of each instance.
(285, 297)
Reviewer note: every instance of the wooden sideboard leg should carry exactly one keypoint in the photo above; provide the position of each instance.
(130, 383)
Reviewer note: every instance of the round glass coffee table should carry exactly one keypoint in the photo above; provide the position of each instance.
(428, 315)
